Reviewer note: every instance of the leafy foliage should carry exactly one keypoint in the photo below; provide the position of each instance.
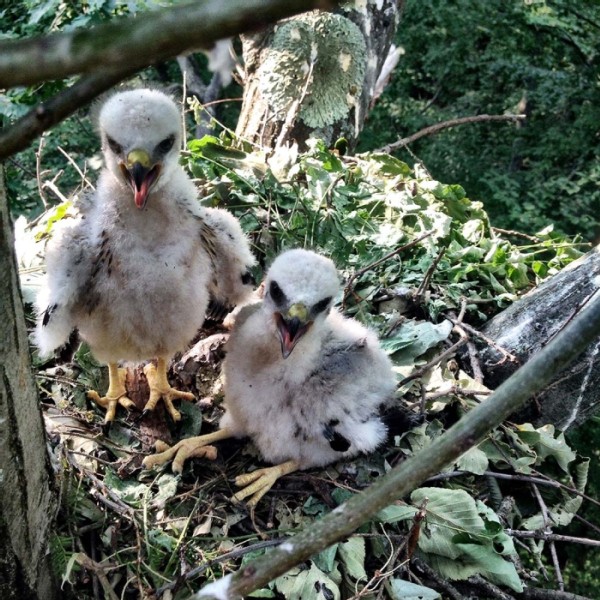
(540, 58)
(360, 210)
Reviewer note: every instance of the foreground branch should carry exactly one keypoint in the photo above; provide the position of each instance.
(140, 40)
(35, 122)
(469, 431)
(433, 129)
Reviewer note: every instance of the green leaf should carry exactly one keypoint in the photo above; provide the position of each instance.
(302, 584)
(131, 492)
(325, 560)
(449, 512)
(473, 460)
(395, 513)
(492, 566)
(399, 589)
(352, 557)
(545, 444)
(167, 488)
(413, 339)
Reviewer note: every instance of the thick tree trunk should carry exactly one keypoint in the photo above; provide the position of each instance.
(26, 499)
(314, 75)
(527, 326)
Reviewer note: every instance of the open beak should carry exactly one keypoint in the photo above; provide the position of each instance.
(292, 327)
(140, 175)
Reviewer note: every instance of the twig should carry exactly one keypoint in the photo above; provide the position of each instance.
(440, 583)
(215, 561)
(489, 589)
(554, 537)
(505, 353)
(38, 172)
(530, 593)
(428, 275)
(54, 189)
(434, 361)
(115, 503)
(433, 129)
(87, 563)
(547, 521)
(348, 288)
(76, 166)
(474, 361)
(458, 391)
(531, 238)
(523, 478)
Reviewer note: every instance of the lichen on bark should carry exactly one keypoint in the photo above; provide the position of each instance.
(319, 58)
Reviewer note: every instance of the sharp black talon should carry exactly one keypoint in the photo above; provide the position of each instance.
(106, 427)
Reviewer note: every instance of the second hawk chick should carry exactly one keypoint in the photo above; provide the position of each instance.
(303, 382)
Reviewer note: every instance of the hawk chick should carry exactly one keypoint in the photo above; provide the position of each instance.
(303, 382)
(135, 270)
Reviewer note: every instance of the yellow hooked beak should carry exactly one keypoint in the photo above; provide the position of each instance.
(140, 175)
(292, 326)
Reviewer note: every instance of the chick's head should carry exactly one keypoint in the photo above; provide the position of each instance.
(300, 288)
(141, 139)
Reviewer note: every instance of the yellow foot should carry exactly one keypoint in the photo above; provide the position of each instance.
(259, 482)
(194, 447)
(116, 393)
(160, 388)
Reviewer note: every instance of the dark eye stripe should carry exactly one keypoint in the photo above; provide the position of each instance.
(248, 278)
(114, 146)
(165, 145)
(276, 293)
(320, 306)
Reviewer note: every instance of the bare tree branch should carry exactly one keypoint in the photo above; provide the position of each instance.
(43, 117)
(433, 129)
(140, 40)
(144, 40)
(469, 431)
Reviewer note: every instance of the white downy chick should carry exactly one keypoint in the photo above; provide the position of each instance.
(303, 382)
(135, 270)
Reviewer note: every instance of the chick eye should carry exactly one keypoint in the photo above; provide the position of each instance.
(247, 278)
(320, 306)
(276, 293)
(114, 146)
(165, 145)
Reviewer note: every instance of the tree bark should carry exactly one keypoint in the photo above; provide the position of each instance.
(528, 325)
(26, 498)
(314, 75)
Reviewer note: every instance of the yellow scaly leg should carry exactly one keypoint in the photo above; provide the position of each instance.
(160, 388)
(116, 393)
(259, 482)
(188, 448)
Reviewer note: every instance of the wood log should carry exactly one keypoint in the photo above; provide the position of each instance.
(529, 324)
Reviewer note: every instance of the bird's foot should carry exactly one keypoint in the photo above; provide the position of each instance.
(160, 389)
(194, 447)
(257, 483)
(116, 394)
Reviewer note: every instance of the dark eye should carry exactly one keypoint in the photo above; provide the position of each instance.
(320, 306)
(248, 278)
(165, 145)
(114, 146)
(276, 293)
